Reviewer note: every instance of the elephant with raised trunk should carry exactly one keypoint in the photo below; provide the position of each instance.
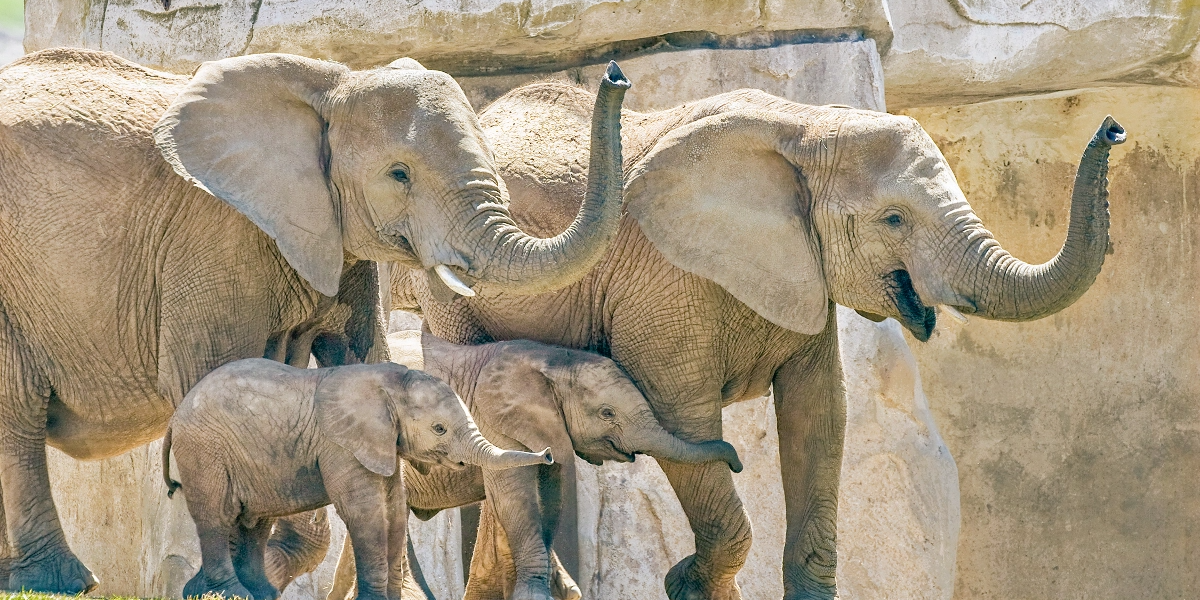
(156, 226)
(748, 217)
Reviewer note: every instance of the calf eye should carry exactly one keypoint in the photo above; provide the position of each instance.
(894, 220)
(400, 174)
(439, 429)
(607, 413)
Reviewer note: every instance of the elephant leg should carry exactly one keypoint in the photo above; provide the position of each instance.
(810, 404)
(402, 585)
(492, 571)
(513, 497)
(39, 558)
(248, 559)
(362, 503)
(714, 510)
(217, 574)
(562, 585)
(297, 546)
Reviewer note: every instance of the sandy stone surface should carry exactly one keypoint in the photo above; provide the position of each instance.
(1078, 436)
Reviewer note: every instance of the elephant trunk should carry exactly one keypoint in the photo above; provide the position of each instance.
(1001, 287)
(657, 442)
(473, 448)
(529, 265)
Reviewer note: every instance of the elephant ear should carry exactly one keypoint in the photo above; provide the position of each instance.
(245, 130)
(354, 410)
(718, 199)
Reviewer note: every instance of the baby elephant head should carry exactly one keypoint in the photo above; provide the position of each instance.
(606, 416)
(380, 411)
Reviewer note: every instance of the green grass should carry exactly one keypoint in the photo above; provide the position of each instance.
(12, 14)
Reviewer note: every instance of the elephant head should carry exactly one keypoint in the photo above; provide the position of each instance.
(387, 164)
(381, 410)
(812, 204)
(606, 417)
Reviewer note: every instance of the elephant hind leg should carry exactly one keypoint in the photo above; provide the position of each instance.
(249, 548)
(297, 546)
(40, 559)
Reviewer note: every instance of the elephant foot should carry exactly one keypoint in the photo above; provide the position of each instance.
(684, 584)
(264, 592)
(58, 573)
(563, 587)
(198, 586)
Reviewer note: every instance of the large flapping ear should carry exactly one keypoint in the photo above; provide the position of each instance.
(719, 200)
(354, 410)
(245, 129)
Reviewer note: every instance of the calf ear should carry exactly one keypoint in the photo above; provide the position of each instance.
(354, 410)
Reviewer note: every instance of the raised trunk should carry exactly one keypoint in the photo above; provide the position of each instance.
(653, 440)
(473, 448)
(530, 265)
(1008, 289)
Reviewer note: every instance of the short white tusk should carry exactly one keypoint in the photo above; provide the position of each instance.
(452, 281)
(953, 312)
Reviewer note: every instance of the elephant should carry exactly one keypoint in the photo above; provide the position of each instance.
(157, 226)
(258, 439)
(527, 395)
(747, 217)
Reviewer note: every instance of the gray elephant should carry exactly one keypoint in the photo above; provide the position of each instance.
(748, 217)
(527, 395)
(156, 226)
(257, 439)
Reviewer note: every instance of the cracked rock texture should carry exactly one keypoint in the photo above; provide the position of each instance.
(957, 51)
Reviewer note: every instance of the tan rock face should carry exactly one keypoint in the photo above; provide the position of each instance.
(454, 36)
(957, 51)
(1078, 436)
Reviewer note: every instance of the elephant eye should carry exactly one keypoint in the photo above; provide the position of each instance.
(400, 174)
(439, 429)
(607, 413)
(894, 220)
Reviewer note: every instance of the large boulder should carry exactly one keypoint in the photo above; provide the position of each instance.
(948, 52)
(458, 37)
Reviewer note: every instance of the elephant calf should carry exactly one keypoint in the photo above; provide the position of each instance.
(257, 439)
(526, 394)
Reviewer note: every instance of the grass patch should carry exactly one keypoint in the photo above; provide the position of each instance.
(12, 14)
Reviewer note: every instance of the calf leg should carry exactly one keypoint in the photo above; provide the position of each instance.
(248, 559)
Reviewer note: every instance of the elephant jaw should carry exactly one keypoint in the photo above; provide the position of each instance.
(914, 315)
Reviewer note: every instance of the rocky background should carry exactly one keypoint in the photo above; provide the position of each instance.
(1077, 437)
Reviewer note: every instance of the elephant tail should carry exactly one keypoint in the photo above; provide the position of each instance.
(172, 485)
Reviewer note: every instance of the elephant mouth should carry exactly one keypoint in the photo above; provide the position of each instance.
(397, 240)
(620, 455)
(915, 316)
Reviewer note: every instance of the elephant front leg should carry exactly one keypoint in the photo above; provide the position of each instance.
(514, 503)
(361, 501)
(40, 558)
(721, 527)
(810, 404)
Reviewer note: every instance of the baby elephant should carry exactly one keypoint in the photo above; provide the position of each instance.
(257, 439)
(524, 395)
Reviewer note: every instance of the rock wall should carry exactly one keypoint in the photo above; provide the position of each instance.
(1078, 436)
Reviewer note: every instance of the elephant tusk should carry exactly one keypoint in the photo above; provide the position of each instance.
(452, 281)
(953, 312)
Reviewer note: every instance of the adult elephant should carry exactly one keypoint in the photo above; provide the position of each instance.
(155, 227)
(749, 216)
